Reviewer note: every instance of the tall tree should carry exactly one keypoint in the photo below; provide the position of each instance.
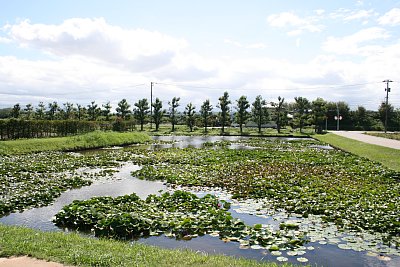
(158, 112)
(106, 110)
(319, 114)
(16, 111)
(205, 112)
(93, 111)
(259, 112)
(141, 111)
(362, 119)
(189, 115)
(123, 109)
(279, 113)
(301, 112)
(40, 111)
(28, 111)
(397, 118)
(242, 113)
(224, 103)
(81, 112)
(53, 108)
(173, 105)
(390, 114)
(68, 110)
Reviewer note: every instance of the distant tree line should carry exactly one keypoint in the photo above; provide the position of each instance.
(54, 119)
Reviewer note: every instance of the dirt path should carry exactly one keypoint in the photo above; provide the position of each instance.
(27, 262)
(360, 136)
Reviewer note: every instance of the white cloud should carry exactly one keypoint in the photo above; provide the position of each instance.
(360, 14)
(391, 18)
(79, 75)
(246, 46)
(319, 12)
(355, 44)
(5, 40)
(138, 49)
(289, 19)
(347, 15)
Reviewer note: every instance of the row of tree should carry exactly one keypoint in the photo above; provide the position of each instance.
(298, 114)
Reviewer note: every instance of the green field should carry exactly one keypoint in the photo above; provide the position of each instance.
(394, 136)
(74, 249)
(95, 139)
(388, 157)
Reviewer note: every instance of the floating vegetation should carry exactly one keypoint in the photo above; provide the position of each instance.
(351, 192)
(327, 194)
(180, 215)
(36, 179)
(308, 196)
(302, 259)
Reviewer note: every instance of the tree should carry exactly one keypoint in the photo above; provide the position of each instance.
(158, 112)
(40, 111)
(81, 112)
(107, 110)
(123, 109)
(174, 104)
(53, 108)
(279, 112)
(319, 114)
(242, 114)
(259, 112)
(397, 113)
(93, 111)
(69, 110)
(28, 111)
(362, 118)
(344, 113)
(189, 114)
(224, 103)
(16, 111)
(390, 114)
(301, 112)
(205, 112)
(141, 110)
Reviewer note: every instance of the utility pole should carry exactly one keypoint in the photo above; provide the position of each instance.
(387, 89)
(151, 105)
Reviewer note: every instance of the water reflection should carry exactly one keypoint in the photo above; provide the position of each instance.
(122, 184)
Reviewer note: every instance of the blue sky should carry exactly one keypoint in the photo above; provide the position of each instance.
(80, 51)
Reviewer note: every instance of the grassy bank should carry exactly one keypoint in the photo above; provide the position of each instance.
(91, 140)
(165, 129)
(74, 249)
(394, 136)
(387, 156)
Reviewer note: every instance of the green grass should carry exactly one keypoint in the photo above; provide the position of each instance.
(389, 157)
(95, 139)
(165, 129)
(74, 249)
(394, 136)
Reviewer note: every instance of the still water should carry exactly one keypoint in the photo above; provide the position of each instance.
(122, 184)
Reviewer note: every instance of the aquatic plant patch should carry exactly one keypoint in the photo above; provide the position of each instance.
(36, 179)
(352, 192)
(181, 215)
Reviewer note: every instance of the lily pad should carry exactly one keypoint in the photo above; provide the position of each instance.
(302, 259)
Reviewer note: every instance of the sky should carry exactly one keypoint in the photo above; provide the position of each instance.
(82, 51)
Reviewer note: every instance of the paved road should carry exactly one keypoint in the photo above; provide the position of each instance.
(360, 136)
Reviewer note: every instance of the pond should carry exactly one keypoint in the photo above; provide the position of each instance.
(323, 251)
